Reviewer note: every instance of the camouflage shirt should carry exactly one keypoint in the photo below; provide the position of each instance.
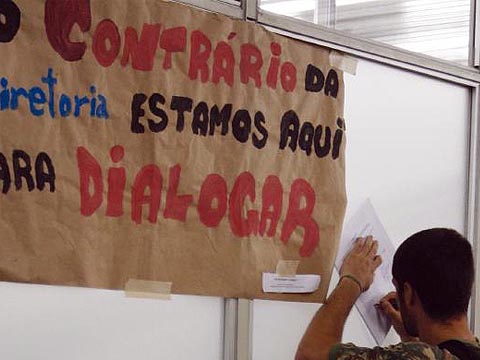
(402, 351)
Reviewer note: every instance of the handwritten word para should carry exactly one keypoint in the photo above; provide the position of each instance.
(43, 171)
(212, 204)
(38, 98)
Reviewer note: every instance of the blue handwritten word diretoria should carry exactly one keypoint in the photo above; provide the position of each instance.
(38, 98)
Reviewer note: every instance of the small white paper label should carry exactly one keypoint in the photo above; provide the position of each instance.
(300, 284)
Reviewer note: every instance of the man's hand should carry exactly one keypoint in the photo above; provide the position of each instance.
(395, 316)
(326, 327)
(362, 261)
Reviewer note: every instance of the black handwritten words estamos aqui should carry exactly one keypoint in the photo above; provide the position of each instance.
(205, 120)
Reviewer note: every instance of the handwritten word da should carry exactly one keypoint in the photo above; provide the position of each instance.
(41, 99)
(213, 202)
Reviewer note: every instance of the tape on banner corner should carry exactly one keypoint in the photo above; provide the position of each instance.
(287, 267)
(148, 289)
(343, 62)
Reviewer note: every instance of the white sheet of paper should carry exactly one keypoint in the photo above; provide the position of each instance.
(366, 222)
(273, 283)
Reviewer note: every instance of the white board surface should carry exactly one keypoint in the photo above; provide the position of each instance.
(57, 323)
(407, 150)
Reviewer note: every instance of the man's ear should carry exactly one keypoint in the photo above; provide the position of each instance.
(409, 295)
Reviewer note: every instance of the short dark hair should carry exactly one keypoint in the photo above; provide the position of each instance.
(438, 264)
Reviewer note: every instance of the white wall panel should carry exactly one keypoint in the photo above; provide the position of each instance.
(407, 150)
(57, 323)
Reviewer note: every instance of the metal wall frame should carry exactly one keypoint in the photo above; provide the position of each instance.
(230, 8)
(238, 313)
(474, 58)
(473, 214)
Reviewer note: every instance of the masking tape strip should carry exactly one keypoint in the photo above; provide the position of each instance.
(345, 63)
(287, 267)
(148, 289)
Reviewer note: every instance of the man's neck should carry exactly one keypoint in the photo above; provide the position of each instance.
(434, 333)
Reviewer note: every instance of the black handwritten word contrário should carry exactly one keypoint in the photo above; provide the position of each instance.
(35, 174)
(42, 100)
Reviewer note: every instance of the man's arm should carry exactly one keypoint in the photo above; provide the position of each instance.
(326, 327)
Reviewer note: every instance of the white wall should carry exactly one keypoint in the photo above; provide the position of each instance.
(407, 150)
(47, 322)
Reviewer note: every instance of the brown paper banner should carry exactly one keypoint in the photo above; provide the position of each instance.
(148, 140)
